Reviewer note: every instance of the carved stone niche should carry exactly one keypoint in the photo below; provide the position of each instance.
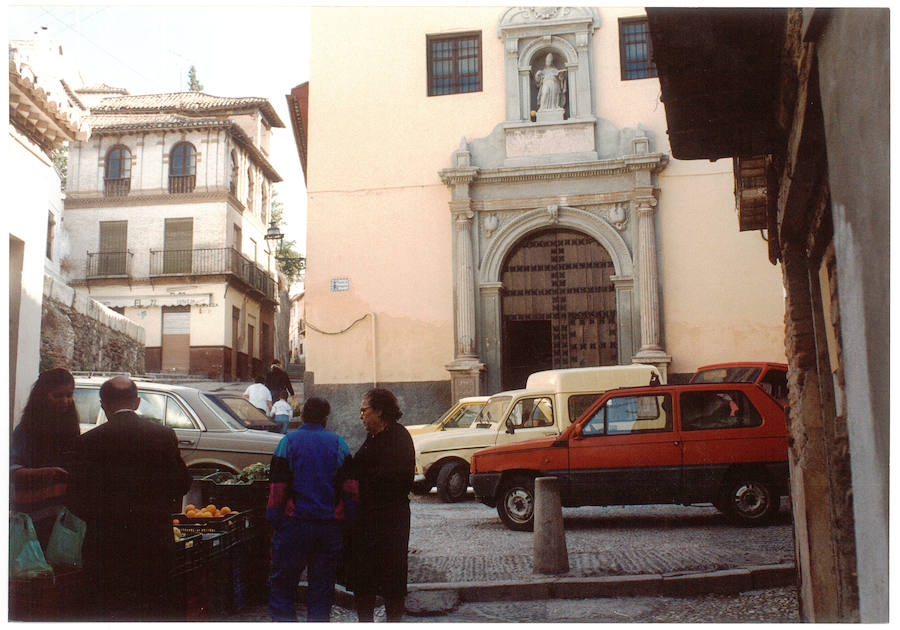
(549, 47)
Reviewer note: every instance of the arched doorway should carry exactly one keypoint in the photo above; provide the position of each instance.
(558, 305)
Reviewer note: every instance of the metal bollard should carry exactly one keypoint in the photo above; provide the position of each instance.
(550, 554)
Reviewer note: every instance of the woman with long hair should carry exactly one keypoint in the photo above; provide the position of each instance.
(41, 447)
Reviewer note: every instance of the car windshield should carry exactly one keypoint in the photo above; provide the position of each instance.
(230, 421)
(243, 409)
(493, 410)
(464, 417)
(737, 374)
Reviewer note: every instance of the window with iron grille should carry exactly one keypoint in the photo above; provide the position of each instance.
(454, 63)
(117, 180)
(182, 168)
(635, 49)
(112, 257)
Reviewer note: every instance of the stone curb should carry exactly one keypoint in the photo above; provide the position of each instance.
(442, 597)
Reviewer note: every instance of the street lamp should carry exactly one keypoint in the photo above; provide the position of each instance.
(275, 234)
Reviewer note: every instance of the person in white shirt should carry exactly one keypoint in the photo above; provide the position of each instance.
(282, 412)
(259, 396)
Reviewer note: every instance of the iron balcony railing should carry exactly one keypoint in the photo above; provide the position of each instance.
(182, 183)
(109, 264)
(117, 187)
(211, 261)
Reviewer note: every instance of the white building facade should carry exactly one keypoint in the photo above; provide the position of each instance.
(166, 211)
(44, 113)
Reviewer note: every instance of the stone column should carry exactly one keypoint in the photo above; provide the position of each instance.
(465, 369)
(464, 284)
(490, 332)
(651, 350)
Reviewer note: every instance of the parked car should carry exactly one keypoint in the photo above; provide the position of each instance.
(724, 444)
(459, 416)
(248, 415)
(551, 400)
(209, 437)
(772, 377)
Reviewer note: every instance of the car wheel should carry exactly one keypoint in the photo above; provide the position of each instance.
(452, 482)
(749, 500)
(515, 504)
(422, 487)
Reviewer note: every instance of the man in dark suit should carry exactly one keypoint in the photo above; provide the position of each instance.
(128, 476)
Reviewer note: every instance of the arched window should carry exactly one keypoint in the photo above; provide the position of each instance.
(117, 179)
(249, 189)
(232, 183)
(264, 204)
(182, 168)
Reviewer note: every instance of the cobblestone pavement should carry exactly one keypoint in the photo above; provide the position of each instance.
(777, 605)
(464, 542)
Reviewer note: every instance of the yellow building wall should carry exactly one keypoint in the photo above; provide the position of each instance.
(378, 214)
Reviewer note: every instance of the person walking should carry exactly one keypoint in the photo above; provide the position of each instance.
(301, 511)
(282, 412)
(379, 540)
(126, 481)
(258, 395)
(277, 380)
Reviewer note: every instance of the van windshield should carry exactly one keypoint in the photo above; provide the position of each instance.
(493, 410)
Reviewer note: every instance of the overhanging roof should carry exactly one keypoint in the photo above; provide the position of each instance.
(298, 107)
(718, 73)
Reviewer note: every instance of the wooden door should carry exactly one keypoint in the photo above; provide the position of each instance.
(560, 277)
(176, 339)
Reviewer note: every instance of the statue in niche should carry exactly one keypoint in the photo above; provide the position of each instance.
(551, 83)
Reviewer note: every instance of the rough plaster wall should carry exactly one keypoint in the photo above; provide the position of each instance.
(856, 110)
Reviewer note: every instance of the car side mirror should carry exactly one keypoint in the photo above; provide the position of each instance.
(510, 426)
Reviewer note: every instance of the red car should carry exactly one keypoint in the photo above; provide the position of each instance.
(772, 377)
(722, 443)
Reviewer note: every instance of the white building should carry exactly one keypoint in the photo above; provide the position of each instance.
(44, 113)
(166, 209)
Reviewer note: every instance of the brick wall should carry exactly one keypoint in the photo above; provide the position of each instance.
(79, 333)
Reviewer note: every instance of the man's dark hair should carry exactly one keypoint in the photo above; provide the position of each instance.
(316, 410)
(283, 394)
(118, 390)
(259, 378)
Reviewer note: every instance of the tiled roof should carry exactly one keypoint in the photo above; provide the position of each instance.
(102, 88)
(118, 123)
(188, 103)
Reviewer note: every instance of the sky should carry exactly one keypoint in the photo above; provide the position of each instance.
(237, 51)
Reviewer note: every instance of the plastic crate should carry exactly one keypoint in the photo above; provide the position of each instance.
(56, 597)
(188, 552)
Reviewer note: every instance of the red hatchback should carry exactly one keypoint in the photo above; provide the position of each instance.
(722, 443)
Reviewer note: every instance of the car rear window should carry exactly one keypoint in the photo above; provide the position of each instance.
(737, 374)
(87, 402)
(717, 410)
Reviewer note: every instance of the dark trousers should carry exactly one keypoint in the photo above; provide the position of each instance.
(298, 545)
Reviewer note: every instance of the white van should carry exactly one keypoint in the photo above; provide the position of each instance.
(550, 402)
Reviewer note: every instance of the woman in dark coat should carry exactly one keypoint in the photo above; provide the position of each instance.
(379, 541)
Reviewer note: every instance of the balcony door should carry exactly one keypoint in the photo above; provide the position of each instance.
(177, 245)
(176, 339)
(113, 245)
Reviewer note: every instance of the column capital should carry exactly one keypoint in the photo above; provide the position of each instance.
(456, 176)
(461, 210)
(490, 288)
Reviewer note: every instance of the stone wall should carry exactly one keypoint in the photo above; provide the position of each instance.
(79, 333)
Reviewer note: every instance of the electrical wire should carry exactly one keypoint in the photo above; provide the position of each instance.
(340, 332)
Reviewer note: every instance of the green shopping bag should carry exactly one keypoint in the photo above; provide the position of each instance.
(66, 539)
(26, 558)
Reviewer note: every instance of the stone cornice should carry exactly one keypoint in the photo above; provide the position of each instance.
(653, 162)
(74, 201)
(454, 176)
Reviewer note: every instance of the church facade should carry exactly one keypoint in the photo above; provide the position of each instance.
(491, 193)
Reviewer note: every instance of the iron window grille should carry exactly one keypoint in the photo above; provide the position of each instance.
(454, 63)
(636, 49)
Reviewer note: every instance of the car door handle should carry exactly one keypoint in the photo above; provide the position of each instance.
(186, 442)
(551, 433)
